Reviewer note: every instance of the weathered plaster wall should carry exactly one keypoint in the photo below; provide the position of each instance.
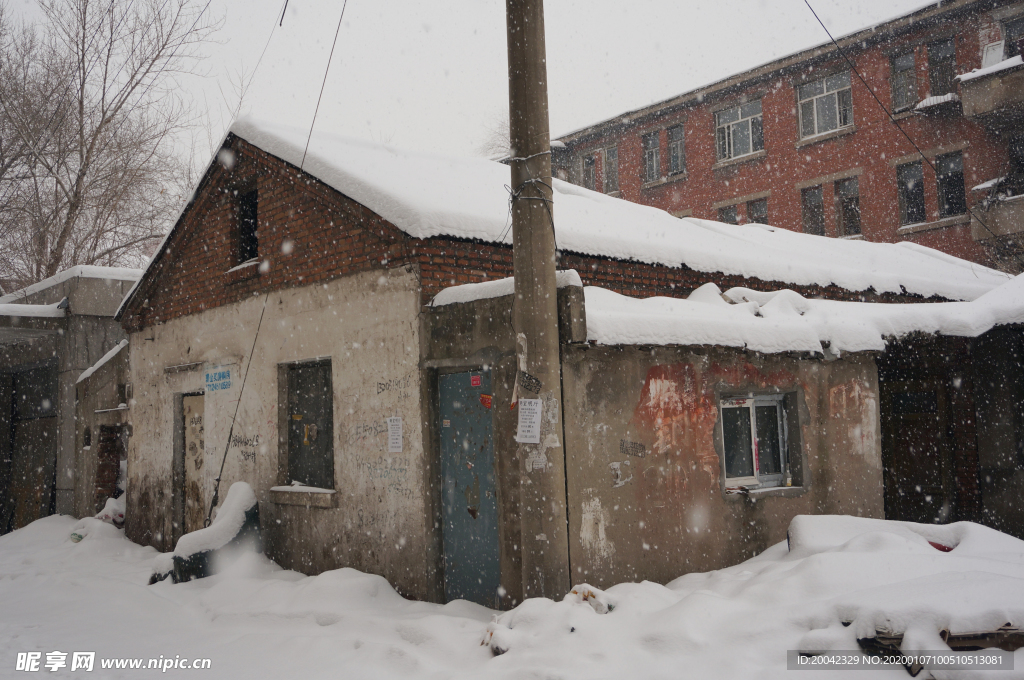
(98, 398)
(665, 513)
(367, 324)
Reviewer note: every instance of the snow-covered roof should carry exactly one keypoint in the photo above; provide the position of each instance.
(929, 102)
(104, 359)
(468, 292)
(1012, 62)
(426, 195)
(785, 321)
(46, 311)
(80, 271)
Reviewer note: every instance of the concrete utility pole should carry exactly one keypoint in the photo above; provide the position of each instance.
(545, 540)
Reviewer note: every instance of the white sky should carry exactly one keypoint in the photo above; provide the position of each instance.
(432, 76)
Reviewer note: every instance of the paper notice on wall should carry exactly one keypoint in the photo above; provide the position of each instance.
(394, 434)
(529, 421)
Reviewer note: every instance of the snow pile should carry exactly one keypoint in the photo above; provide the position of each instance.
(499, 288)
(1012, 62)
(937, 100)
(785, 321)
(427, 196)
(53, 311)
(256, 620)
(103, 360)
(231, 516)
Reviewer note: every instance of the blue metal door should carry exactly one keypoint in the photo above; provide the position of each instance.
(469, 507)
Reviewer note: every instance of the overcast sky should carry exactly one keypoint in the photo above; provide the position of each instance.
(432, 75)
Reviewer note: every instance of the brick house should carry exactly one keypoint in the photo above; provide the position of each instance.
(284, 328)
(801, 142)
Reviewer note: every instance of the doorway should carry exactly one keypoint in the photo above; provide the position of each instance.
(194, 454)
(469, 506)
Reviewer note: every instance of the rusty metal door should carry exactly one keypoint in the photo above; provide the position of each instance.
(311, 425)
(34, 440)
(193, 407)
(918, 466)
(469, 507)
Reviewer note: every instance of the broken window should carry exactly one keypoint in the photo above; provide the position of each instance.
(652, 169)
(910, 180)
(676, 150)
(754, 440)
(949, 172)
(813, 210)
(848, 206)
(825, 105)
(248, 242)
(739, 130)
(611, 170)
(904, 82)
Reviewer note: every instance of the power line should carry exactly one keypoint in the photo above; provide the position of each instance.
(853, 67)
(322, 85)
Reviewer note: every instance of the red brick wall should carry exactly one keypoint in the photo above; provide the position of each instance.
(331, 236)
(872, 147)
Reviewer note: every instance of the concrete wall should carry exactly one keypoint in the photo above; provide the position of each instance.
(381, 519)
(664, 513)
(98, 399)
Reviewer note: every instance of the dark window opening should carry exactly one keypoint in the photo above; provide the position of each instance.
(1017, 155)
(848, 206)
(728, 215)
(248, 242)
(652, 170)
(942, 67)
(950, 176)
(813, 211)
(910, 181)
(87, 437)
(757, 211)
(1013, 35)
(904, 82)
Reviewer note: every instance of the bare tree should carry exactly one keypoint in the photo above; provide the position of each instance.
(89, 111)
(496, 142)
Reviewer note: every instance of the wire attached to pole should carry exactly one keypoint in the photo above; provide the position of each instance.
(322, 85)
(231, 430)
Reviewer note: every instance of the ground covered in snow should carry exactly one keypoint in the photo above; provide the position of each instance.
(255, 620)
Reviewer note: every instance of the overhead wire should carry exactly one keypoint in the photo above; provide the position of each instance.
(853, 67)
(323, 85)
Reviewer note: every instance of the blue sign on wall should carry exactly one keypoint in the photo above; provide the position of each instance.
(218, 378)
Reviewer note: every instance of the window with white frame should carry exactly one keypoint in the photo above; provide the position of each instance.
(611, 169)
(652, 166)
(739, 131)
(825, 105)
(676, 150)
(754, 440)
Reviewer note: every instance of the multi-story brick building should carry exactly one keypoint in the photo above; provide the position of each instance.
(803, 143)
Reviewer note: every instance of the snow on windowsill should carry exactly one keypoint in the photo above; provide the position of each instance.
(825, 136)
(984, 186)
(930, 102)
(1006, 64)
(244, 265)
(300, 488)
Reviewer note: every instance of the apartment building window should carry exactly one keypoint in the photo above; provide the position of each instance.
(941, 67)
(739, 130)
(728, 215)
(652, 169)
(611, 170)
(813, 211)
(825, 105)
(848, 206)
(757, 211)
(1013, 31)
(590, 172)
(248, 241)
(904, 82)
(676, 150)
(949, 171)
(910, 181)
(754, 439)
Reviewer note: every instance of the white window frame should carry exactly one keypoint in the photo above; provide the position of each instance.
(834, 94)
(726, 131)
(651, 157)
(676, 150)
(751, 402)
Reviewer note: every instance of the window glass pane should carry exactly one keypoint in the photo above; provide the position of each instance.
(741, 139)
(812, 89)
(675, 134)
(911, 191)
(611, 169)
(650, 140)
(952, 198)
(941, 50)
(757, 211)
(845, 108)
(728, 214)
(736, 435)
(846, 188)
(807, 118)
(750, 109)
(757, 134)
(837, 82)
(953, 162)
(769, 449)
(828, 115)
(723, 142)
(813, 211)
(728, 115)
(904, 62)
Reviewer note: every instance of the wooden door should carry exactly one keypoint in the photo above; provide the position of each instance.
(311, 425)
(193, 407)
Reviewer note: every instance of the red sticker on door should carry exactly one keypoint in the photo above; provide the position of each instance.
(474, 380)
(485, 399)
